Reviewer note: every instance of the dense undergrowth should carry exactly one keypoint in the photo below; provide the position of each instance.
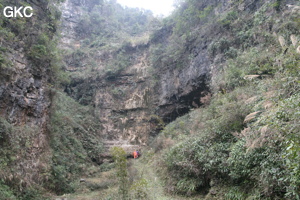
(244, 143)
(75, 143)
(74, 147)
(247, 139)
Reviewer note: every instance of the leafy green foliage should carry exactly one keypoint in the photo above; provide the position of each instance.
(228, 19)
(120, 61)
(5, 192)
(36, 39)
(283, 123)
(219, 149)
(15, 142)
(119, 156)
(191, 14)
(74, 142)
(255, 159)
(235, 194)
(138, 189)
(32, 193)
(202, 155)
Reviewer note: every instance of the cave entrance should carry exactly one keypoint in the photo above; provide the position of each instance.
(184, 104)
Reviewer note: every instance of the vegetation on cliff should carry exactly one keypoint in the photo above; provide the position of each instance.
(240, 142)
(36, 152)
(75, 143)
(108, 34)
(245, 143)
(37, 40)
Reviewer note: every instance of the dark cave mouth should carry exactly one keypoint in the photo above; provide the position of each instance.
(184, 104)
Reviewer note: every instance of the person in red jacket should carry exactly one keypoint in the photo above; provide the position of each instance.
(135, 154)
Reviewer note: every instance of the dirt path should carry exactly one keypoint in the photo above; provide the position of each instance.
(154, 185)
(146, 170)
(143, 179)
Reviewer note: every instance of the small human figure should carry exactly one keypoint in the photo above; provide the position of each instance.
(135, 154)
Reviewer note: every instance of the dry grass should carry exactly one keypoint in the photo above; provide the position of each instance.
(298, 49)
(251, 116)
(282, 41)
(268, 104)
(98, 187)
(294, 40)
(140, 40)
(252, 100)
(251, 77)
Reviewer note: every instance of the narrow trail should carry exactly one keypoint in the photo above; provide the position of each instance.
(145, 169)
(141, 171)
(154, 185)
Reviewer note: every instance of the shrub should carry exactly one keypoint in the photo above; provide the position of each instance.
(32, 193)
(228, 19)
(73, 140)
(6, 192)
(119, 156)
(139, 190)
(235, 193)
(196, 159)
(39, 53)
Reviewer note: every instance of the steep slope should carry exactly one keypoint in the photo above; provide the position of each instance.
(38, 134)
(226, 56)
(111, 62)
(244, 143)
(27, 66)
(231, 66)
(107, 58)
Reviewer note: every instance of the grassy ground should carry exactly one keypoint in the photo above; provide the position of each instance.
(143, 179)
(96, 187)
(145, 167)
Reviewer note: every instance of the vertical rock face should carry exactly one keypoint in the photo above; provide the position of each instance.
(182, 89)
(71, 13)
(124, 108)
(25, 100)
(25, 97)
(127, 103)
(122, 102)
(24, 104)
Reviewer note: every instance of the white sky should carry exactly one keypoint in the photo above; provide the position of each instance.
(158, 7)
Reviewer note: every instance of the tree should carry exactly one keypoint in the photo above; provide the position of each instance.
(119, 156)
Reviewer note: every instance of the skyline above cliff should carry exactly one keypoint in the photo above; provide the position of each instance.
(158, 7)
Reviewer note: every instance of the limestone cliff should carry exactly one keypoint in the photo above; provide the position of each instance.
(131, 102)
(122, 100)
(130, 74)
(38, 131)
(25, 96)
(168, 72)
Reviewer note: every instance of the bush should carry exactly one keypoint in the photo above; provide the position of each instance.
(235, 193)
(6, 192)
(139, 190)
(32, 193)
(119, 156)
(74, 142)
(202, 155)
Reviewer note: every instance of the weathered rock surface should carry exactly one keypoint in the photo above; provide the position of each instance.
(25, 97)
(126, 102)
(181, 89)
